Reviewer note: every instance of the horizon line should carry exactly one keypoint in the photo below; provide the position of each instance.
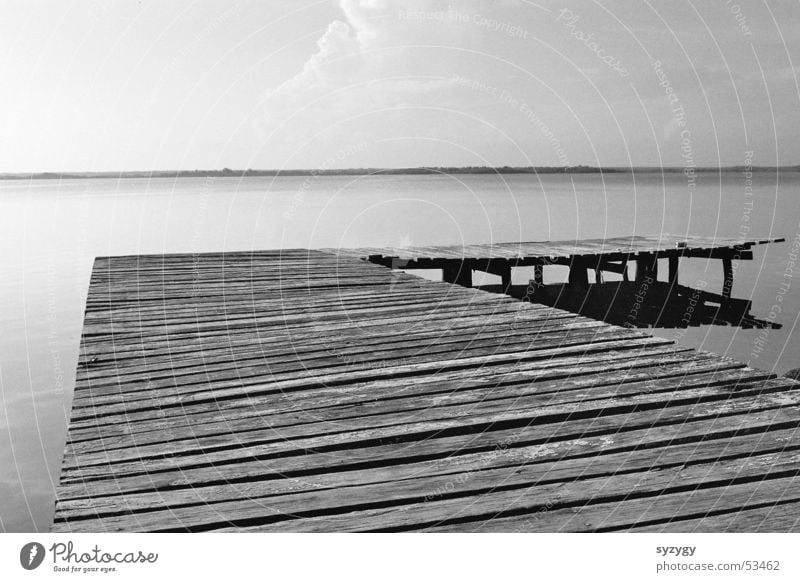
(228, 172)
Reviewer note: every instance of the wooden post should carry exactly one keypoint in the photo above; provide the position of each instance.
(673, 270)
(505, 275)
(727, 285)
(458, 273)
(641, 267)
(578, 274)
(646, 266)
(538, 275)
(673, 274)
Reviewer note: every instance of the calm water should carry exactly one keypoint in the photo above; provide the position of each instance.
(50, 231)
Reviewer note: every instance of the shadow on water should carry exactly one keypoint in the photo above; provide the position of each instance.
(646, 303)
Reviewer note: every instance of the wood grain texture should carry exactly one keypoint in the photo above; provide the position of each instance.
(620, 247)
(304, 390)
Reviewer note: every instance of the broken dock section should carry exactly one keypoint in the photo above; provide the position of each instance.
(300, 390)
(589, 261)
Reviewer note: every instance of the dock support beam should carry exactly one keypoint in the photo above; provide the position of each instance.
(538, 275)
(727, 269)
(578, 272)
(646, 267)
(674, 261)
(458, 273)
(505, 277)
(673, 271)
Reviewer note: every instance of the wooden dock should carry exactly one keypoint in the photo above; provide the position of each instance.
(611, 254)
(594, 297)
(301, 390)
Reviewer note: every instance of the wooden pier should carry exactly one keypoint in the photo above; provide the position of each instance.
(611, 302)
(302, 391)
(612, 255)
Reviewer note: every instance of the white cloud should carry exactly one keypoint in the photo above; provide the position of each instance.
(336, 47)
(360, 61)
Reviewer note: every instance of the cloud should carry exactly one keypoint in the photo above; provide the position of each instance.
(336, 46)
(345, 49)
(360, 14)
(361, 62)
(385, 70)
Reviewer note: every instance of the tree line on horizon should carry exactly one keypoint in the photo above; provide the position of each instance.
(229, 173)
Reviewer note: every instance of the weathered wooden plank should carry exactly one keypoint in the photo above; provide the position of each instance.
(560, 249)
(266, 383)
(466, 478)
(346, 327)
(320, 436)
(402, 505)
(619, 488)
(345, 415)
(349, 334)
(564, 440)
(241, 351)
(146, 385)
(776, 513)
(638, 375)
(722, 509)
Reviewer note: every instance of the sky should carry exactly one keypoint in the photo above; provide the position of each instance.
(105, 85)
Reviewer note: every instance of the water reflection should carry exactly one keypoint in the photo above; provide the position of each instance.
(658, 304)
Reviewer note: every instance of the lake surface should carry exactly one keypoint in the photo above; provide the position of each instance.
(50, 231)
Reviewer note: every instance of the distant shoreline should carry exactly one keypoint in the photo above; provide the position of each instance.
(228, 173)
